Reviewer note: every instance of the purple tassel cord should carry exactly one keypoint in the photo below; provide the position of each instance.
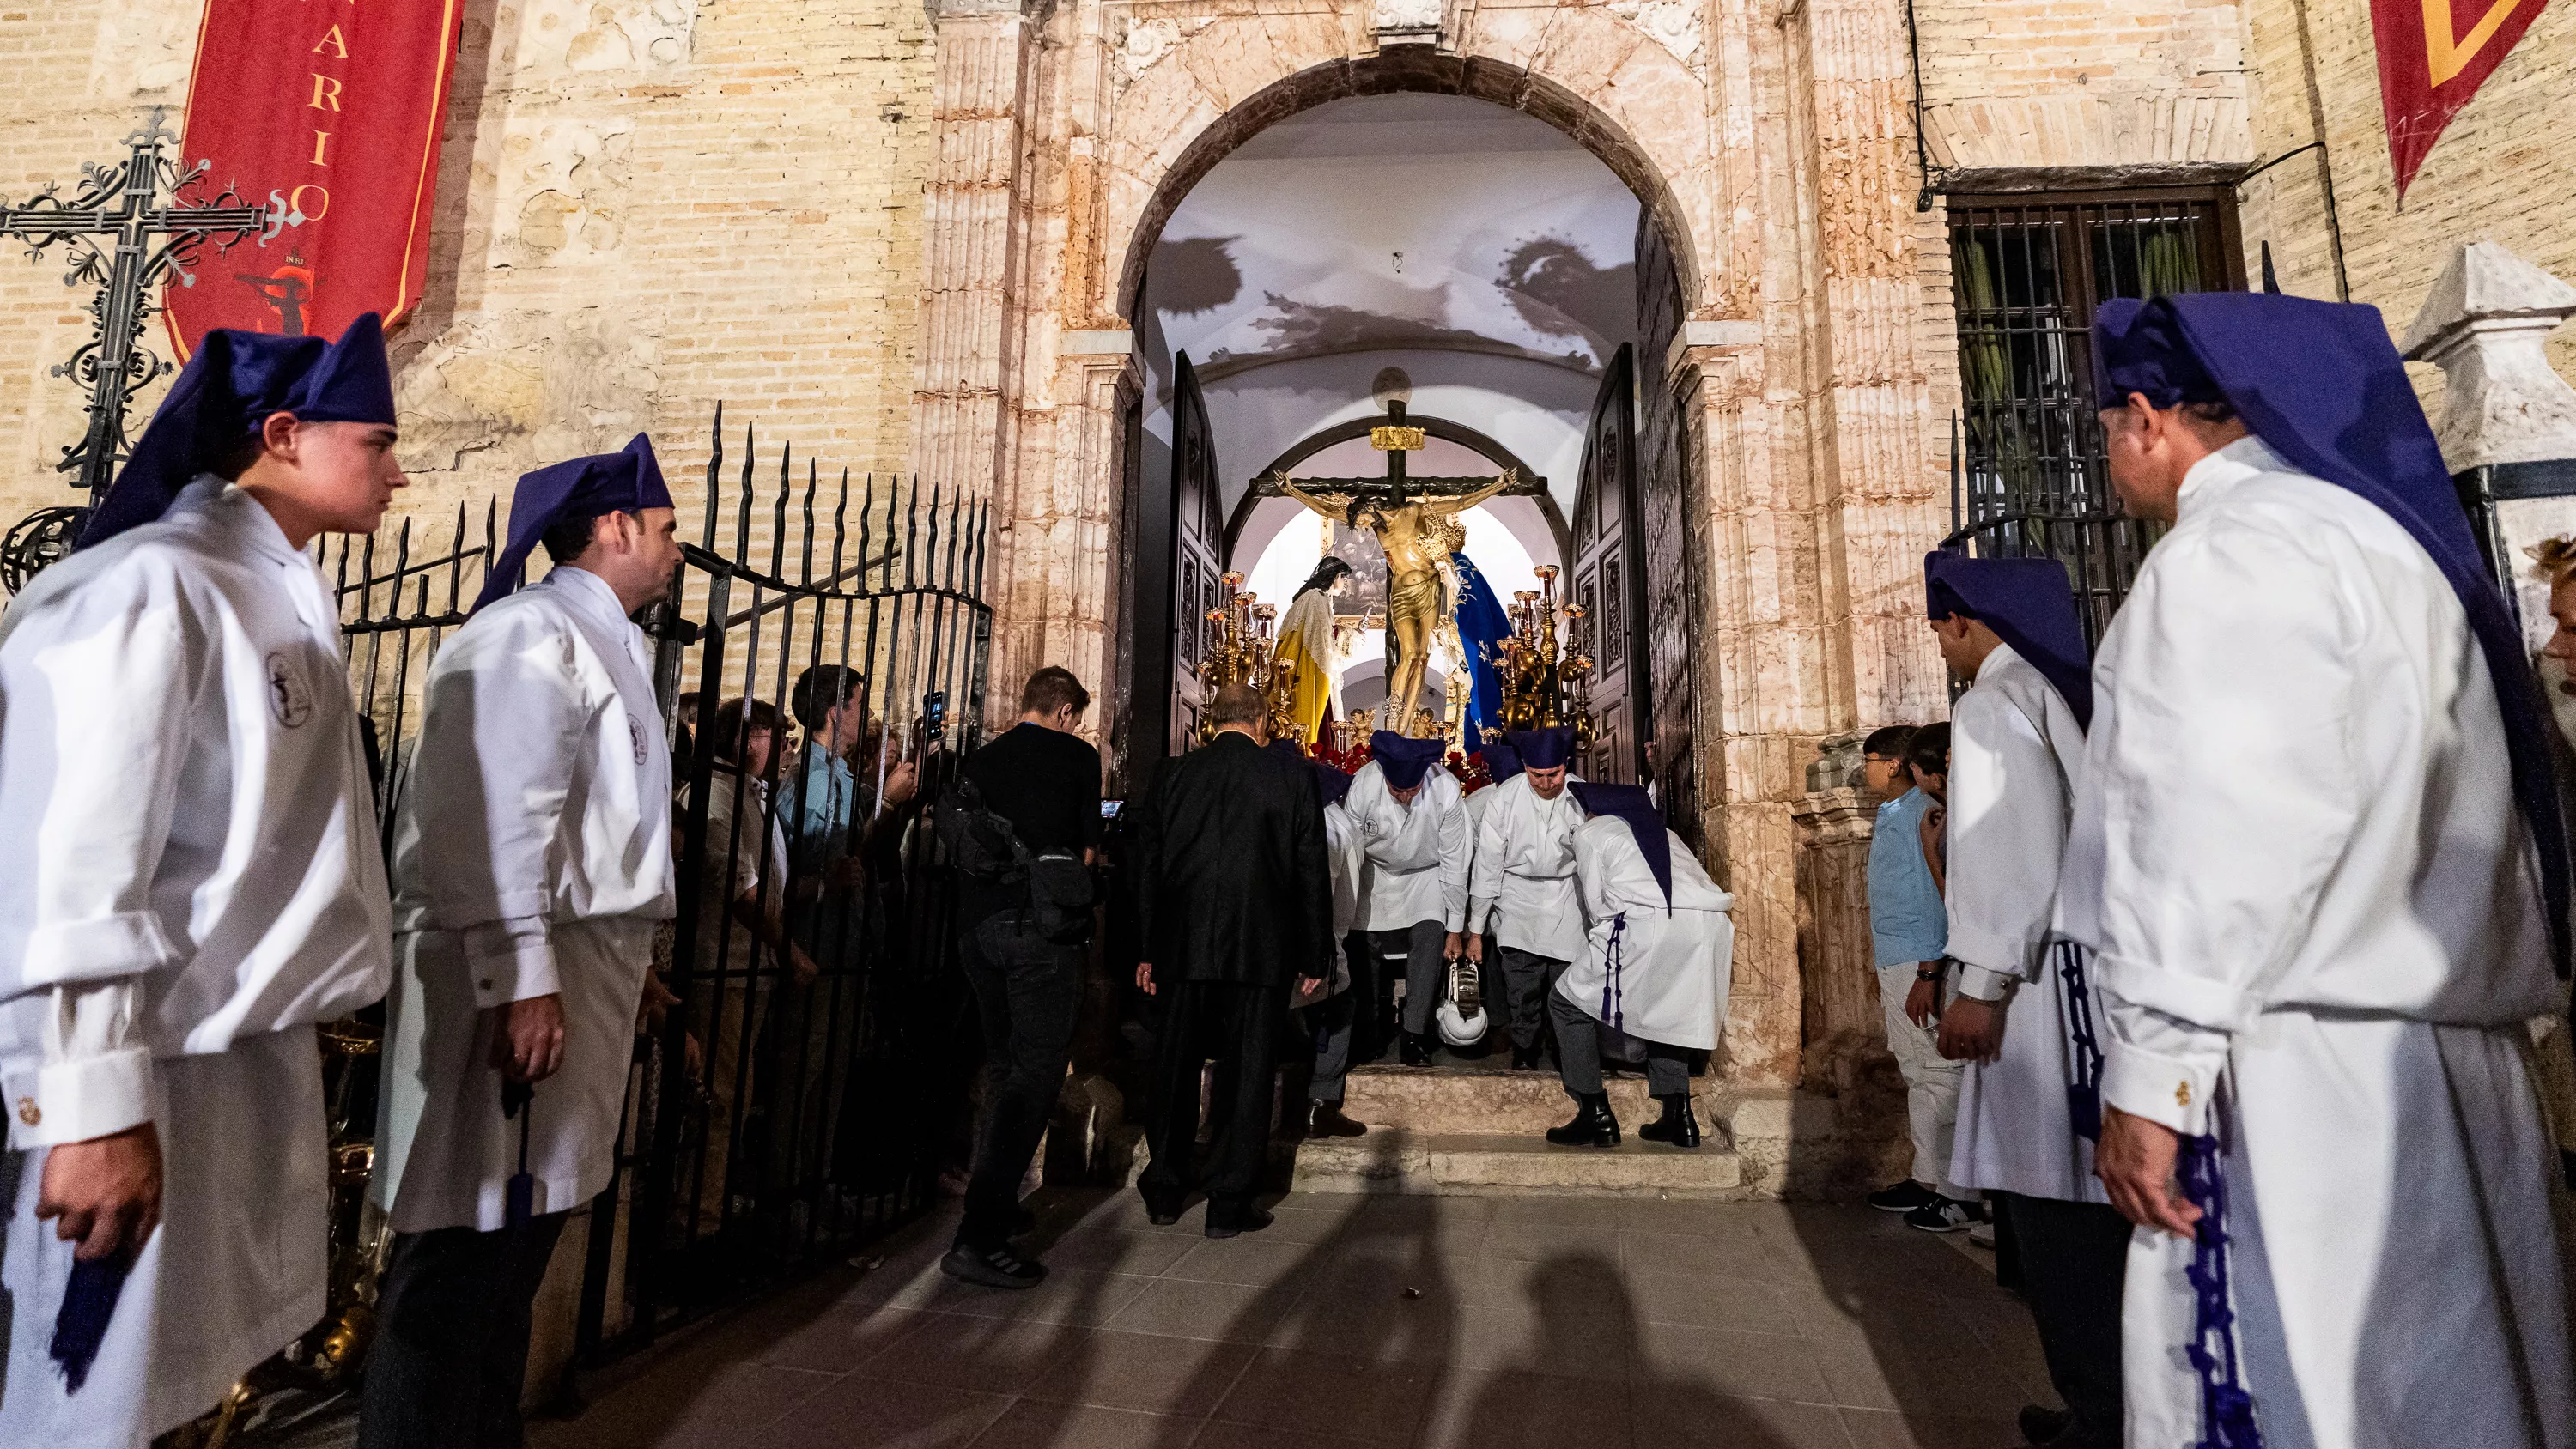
(2226, 1409)
(1612, 998)
(89, 1305)
(2084, 1093)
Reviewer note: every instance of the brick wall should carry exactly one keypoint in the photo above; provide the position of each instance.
(643, 208)
(2505, 170)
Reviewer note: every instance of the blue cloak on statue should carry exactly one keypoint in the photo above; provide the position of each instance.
(1482, 626)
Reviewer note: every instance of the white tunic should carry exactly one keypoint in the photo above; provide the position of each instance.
(1672, 958)
(1416, 855)
(2013, 746)
(2313, 906)
(1520, 875)
(1344, 852)
(194, 879)
(532, 856)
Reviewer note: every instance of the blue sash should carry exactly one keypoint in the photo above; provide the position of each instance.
(2084, 1060)
(2226, 1409)
(1613, 1014)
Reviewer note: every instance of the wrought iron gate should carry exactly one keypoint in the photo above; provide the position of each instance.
(769, 1119)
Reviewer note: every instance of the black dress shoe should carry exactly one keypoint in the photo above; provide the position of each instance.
(1525, 1058)
(1328, 1121)
(1679, 1125)
(992, 1267)
(1245, 1219)
(1416, 1051)
(2039, 1425)
(1160, 1213)
(1594, 1124)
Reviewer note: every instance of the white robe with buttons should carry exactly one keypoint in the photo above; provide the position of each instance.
(194, 878)
(1415, 855)
(1520, 875)
(1672, 957)
(2318, 934)
(532, 856)
(2015, 751)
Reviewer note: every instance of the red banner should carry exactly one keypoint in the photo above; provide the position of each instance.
(329, 113)
(2433, 56)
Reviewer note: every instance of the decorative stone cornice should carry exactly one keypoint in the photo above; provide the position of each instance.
(2485, 323)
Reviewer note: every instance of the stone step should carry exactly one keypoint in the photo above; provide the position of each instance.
(1443, 1100)
(1467, 1163)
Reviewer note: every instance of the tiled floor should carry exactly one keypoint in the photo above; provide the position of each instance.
(1486, 1322)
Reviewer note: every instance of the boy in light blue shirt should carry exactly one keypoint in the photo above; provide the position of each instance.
(1909, 927)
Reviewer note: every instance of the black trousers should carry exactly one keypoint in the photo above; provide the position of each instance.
(1368, 999)
(1027, 990)
(1239, 1028)
(1529, 983)
(2073, 1258)
(451, 1349)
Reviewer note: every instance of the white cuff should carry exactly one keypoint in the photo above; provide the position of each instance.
(2169, 1090)
(1979, 984)
(77, 1100)
(510, 961)
(1994, 951)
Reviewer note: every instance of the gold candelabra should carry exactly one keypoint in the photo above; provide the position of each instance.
(1547, 679)
(1246, 652)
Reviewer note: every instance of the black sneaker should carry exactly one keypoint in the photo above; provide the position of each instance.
(992, 1267)
(1901, 1197)
(1943, 1215)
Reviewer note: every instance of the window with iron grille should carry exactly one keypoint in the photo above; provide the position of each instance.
(2028, 475)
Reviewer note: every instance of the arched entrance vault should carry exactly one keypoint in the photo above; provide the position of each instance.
(1166, 139)
(1773, 151)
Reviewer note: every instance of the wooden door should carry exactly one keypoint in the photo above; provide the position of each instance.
(1198, 529)
(1607, 580)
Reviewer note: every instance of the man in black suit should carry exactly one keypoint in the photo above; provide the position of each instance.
(1234, 896)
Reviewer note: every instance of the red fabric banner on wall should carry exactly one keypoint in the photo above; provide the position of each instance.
(2433, 56)
(329, 113)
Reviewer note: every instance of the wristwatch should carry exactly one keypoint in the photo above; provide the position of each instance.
(1929, 971)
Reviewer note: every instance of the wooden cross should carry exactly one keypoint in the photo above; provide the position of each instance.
(126, 229)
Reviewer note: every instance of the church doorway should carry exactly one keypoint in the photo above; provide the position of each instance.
(1433, 262)
(1446, 296)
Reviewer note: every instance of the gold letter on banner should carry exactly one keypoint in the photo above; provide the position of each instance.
(2445, 57)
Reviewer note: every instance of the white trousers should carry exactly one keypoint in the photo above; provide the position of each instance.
(1931, 1083)
(234, 1273)
(2395, 1272)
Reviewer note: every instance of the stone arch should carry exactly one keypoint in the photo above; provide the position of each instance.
(1628, 99)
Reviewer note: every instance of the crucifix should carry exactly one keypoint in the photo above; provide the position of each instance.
(126, 228)
(1411, 518)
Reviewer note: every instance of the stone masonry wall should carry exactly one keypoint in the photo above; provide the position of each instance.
(2505, 170)
(644, 206)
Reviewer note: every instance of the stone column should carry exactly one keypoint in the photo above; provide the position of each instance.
(1877, 480)
(970, 354)
(1056, 602)
(2508, 426)
(1761, 682)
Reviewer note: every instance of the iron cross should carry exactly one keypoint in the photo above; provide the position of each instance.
(125, 229)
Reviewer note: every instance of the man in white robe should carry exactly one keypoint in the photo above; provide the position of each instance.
(532, 862)
(1520, 884)
(1325, 1010)
(2019, 1021)
(2324, 877)
(1659, 944)
(194, 880)
(1414, 822)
